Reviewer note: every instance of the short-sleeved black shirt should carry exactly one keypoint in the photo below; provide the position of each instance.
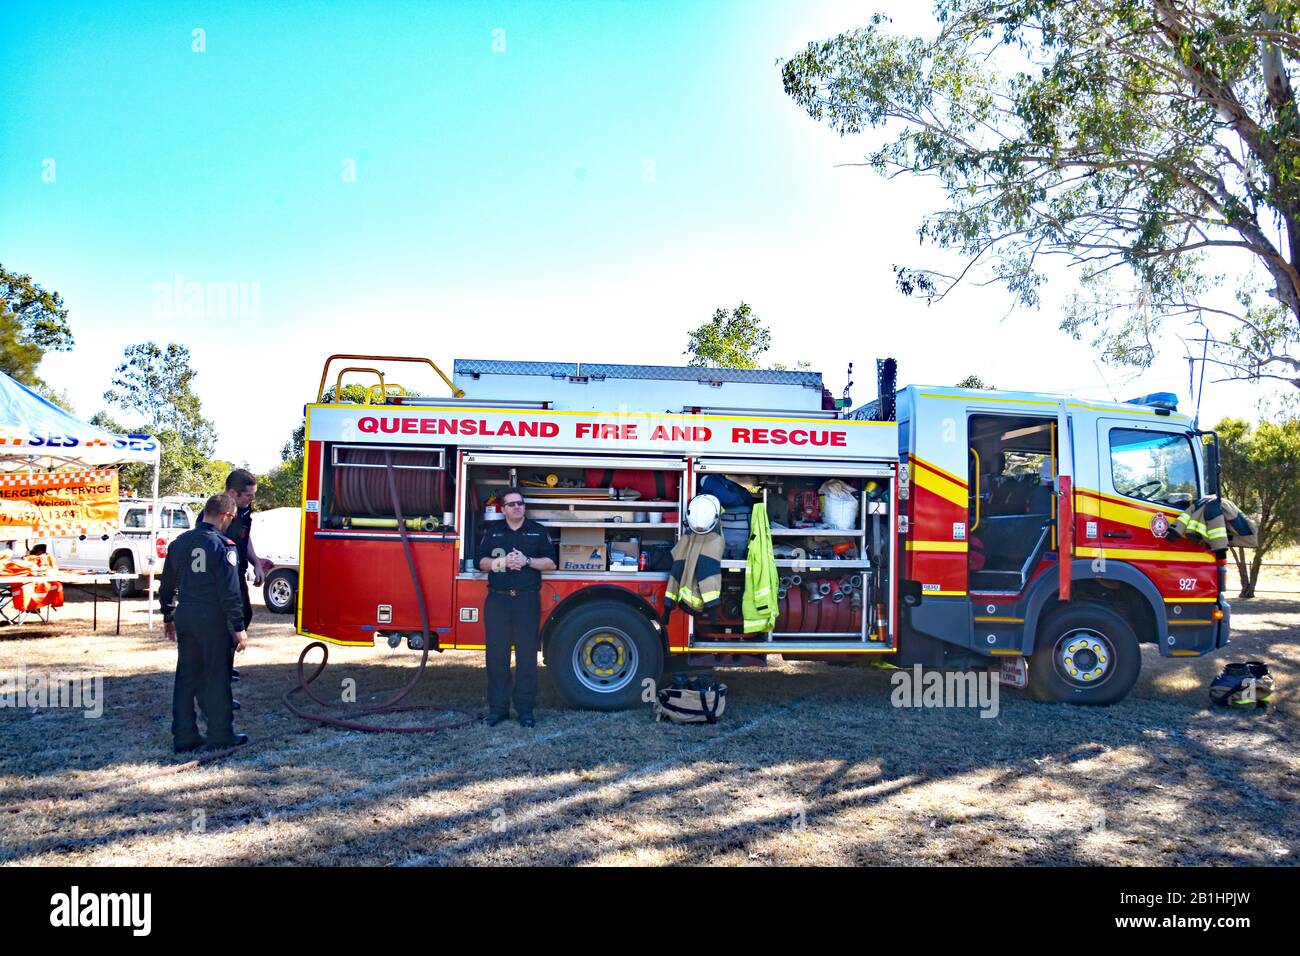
(241, 526)
(532, 541)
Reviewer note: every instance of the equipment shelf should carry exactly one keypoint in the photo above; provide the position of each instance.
(572, 503)
(814, 533)
(638, 525)
(808, 564)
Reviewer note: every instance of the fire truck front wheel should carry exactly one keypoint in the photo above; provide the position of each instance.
(1085, 654)
(601, 653)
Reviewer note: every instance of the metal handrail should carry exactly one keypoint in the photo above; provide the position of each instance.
(324, 375)
(338, 382)
(383, 392)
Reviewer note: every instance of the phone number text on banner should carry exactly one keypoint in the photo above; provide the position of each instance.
(61, 502)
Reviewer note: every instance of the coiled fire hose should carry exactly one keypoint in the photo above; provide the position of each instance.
(361, 490)
(391, 705)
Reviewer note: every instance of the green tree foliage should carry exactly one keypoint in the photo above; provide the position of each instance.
(1259, 465)
(973, 381)
(154, 386)
(55, 396)
(32, 322)
(1126, 137)
(182, 469)
(281, 487)
(729, 340)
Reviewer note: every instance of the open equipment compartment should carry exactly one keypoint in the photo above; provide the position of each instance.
(357, 574)
(563, 495)
(837, 584)
(355, 492)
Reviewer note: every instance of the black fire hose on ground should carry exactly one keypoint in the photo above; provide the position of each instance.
(389, 706)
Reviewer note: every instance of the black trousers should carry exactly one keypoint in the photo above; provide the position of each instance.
(248, 614)
(203, 674)
(248, 605)
(512, 620)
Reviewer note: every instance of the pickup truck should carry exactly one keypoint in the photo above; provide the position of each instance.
(132, 549)
(275, 538)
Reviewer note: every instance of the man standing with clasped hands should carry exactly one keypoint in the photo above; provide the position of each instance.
(514, 552)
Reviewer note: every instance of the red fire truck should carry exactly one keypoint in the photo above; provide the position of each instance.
(984, 529)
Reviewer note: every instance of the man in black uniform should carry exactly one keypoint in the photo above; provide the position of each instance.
(241, 484)
(514, 552)
(203, 566)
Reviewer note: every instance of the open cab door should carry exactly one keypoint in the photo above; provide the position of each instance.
(1064, 499)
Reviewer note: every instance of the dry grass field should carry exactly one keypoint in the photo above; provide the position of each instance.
(811, 765)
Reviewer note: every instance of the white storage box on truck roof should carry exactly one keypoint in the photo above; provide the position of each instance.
(596, 386)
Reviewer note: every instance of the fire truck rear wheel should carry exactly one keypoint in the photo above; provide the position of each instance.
(1085, 654)
(600, 655)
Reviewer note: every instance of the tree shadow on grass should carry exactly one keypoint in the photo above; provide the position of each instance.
(829, 735)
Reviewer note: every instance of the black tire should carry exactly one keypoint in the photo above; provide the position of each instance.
(280, 591)
(601, 653)
(1088, 639)
(126, 587)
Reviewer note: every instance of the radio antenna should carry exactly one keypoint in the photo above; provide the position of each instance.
(1113, 397)
(1200, 388)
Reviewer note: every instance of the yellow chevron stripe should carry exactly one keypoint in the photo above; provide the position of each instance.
(943, 471)
(987, 398)
(1183, 600)
(937, 546)
(1138, 554)
(1173, 416)
(1122, 514)
(943, 487)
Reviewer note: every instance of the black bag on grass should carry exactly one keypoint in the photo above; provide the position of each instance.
(699, 700)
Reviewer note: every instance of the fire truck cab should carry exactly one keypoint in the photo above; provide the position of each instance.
(1024, 532)
(1036, 530)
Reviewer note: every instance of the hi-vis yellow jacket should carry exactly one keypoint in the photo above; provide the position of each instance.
(695, 581)
(759, 605)
(1217, 523)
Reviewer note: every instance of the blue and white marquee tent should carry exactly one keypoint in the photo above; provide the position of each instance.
(38, 436)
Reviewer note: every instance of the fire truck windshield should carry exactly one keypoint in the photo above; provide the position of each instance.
(1153, 466)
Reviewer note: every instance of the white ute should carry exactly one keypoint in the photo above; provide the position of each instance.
(275, 538)
(132, 549)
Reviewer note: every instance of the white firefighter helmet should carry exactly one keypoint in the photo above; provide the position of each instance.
(702, 513)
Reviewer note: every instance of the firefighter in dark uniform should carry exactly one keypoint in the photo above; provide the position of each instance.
(241, 484)
(202, 565)
(514, 552)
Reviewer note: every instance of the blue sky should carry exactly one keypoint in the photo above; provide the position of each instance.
(385, 177)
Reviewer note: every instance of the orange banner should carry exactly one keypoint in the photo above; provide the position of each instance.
(56, 503)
